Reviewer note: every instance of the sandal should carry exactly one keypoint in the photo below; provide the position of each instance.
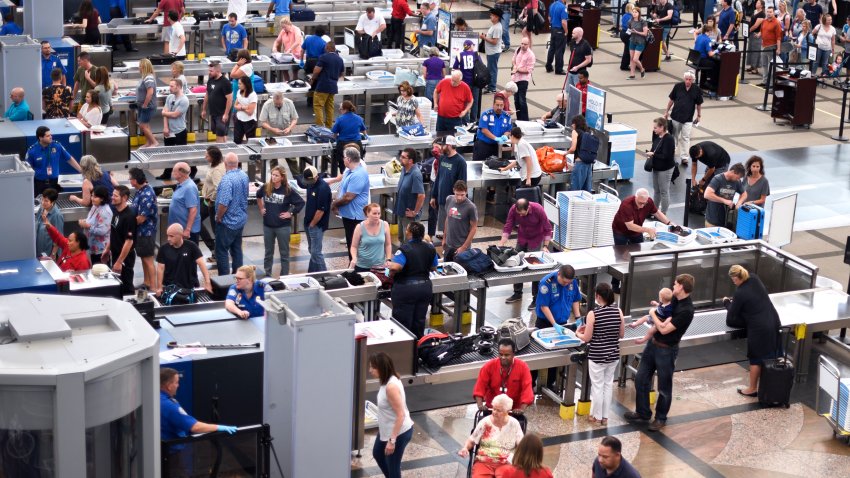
(642, 73)
(592, 419)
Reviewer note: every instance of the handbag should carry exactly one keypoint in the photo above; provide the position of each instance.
(648, 166)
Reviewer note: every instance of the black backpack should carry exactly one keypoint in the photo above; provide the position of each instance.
(588, 148)
(368, 47)
(434, 352)
(174, 295)
(480, 73)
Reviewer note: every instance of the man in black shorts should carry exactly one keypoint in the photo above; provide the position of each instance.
(176, 263)
(217, 102)
(120, 255)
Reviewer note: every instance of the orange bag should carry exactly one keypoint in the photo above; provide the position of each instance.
(550, 161)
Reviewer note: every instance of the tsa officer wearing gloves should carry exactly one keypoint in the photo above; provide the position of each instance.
(241, 299)
(493, 127)
(44, 157)
(174, 421)
(557, 296)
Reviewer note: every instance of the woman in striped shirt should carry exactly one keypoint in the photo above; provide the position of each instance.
(604, 328)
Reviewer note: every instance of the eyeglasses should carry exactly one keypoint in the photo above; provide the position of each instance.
(240, 278)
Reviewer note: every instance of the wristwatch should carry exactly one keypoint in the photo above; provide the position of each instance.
(391, 440)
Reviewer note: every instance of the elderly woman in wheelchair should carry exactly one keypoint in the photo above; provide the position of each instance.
(496, 437)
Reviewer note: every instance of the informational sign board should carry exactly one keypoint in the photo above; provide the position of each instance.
(456, 41)
(595, 113)
(573, 104)
(782, 214)
(444, 27)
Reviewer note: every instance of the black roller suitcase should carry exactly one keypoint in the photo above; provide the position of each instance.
(775, 382)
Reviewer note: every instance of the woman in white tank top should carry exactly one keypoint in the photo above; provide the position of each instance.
(395, 427)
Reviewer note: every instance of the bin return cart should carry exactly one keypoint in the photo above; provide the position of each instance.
(834, 390)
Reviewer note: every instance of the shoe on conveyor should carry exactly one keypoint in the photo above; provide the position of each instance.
(513, 298)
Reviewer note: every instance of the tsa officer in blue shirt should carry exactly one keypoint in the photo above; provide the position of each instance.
(493, 127)
(174, 421)
(48, 63)
(44, 158)
(557, 295)
(242, 297)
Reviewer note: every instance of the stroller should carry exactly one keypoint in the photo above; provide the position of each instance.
(841, 62)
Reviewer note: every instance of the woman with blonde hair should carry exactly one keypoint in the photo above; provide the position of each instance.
(408, 107)
(242, 296)
(371, 244)
(177, 69)
(750, 308)
(93, 176)
(278, 203)
(146, 101)
(289, 41)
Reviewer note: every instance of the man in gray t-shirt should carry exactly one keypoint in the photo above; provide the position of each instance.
(461, 222)
(174, 114)
(493, 46)
(720, 194)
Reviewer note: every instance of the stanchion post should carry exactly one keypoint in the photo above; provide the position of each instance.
(840, 136)
(743, 80)
(687, 202)
(770, 76)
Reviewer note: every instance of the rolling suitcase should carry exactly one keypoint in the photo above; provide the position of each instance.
(750, 222)
(775, 382)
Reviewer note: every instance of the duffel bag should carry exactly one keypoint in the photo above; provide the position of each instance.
(174, 295)
(474, 260)
(302, 15)
(550, 161)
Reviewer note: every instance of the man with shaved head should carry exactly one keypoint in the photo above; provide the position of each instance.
(176, 263)
(628, 222)
(18, 110)
(185, 203)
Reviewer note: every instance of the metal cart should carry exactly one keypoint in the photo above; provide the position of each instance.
(832, 377)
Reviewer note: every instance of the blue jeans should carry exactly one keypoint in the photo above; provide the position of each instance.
(474, 112)
(493, 67)
(228, 243)
(447, 124)
(520, 101)
(506, 24)
(572, 78)
(282, 235)
(314, 245)
(822, 61)
(660, 360)
(430, 86)
(581, 176)
(390, 465)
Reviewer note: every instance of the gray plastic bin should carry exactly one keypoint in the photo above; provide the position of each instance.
(16, 188)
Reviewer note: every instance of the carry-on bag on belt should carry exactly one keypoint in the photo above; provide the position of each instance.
(516, 330)
(302, 15)
(775, 382)
(750, 222)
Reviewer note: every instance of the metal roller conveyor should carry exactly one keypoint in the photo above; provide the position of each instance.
(496, 278)
(294, 146)
(706, 328)
(166, 156)
(535, 355)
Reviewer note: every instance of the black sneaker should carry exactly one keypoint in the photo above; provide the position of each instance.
(635, 416)
(514, 298)
(533, 304)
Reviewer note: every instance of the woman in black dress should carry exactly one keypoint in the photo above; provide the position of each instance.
(751, 308)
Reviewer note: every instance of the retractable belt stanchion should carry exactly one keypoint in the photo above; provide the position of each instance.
(743, 79)
(840, 136)
(767, 87)
(687, 202)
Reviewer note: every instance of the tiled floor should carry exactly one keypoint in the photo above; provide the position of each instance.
(712, 430)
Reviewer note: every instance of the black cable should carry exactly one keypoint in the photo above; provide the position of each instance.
(274, 452)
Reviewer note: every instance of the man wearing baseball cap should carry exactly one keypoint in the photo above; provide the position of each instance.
(465, 62)
(452, 169)
(316, 216)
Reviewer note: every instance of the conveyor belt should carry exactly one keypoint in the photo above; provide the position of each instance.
(473, 357)
(496, 278)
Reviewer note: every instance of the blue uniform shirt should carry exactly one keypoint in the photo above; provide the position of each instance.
(174, 421)
(281, 7)
(233, 37)
(185, 197)
(559, 298)
(313, 46)
(11, 28)
(355, 181)
(47, 65)
(348, 127)
(251, 305)
(557, 12)
(703, 45)
(233, 193)
(45, 159)
(496, 124)
(144, 203)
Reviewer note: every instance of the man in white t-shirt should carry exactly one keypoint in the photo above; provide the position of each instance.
(177, 39)
(371, 24)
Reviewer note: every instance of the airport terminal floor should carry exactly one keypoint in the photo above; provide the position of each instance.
(712, 431)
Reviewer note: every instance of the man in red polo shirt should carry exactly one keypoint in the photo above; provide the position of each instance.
(628, 222)
(452, 100)
(505, 374)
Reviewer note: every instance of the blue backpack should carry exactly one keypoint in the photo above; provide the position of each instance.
(588, 147)
(677, 15)
(475, 261)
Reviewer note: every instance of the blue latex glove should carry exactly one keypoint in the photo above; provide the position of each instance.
(502, 139)
(561, 330)
(227, 429)
(579, 322)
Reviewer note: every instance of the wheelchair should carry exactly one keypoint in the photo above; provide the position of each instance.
(480, 415)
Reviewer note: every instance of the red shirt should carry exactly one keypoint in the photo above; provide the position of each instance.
(67, 262)
(452, 99)
(629, 212)
(401, 9)
(583, 89)
(514, 472)
(517, 380)
(166, 6)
